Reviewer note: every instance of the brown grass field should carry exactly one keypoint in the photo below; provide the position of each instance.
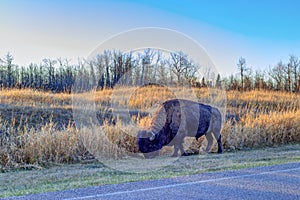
(37, 128)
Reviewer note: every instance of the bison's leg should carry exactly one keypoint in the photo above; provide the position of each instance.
(176, 149)
(216, 127)
(178, 145)
(218, 137)
(210, 140)
(220, 144)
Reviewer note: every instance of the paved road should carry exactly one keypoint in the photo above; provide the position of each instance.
(272, 182)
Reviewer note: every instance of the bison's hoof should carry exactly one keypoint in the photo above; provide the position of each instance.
(185, 154)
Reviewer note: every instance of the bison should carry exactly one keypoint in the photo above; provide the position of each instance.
(174, 120)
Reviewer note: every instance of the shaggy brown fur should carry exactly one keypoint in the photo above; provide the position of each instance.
(177, 118)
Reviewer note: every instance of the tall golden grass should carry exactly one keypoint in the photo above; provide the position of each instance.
(254, 119)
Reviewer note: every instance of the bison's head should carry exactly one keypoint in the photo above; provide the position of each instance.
(149, 143)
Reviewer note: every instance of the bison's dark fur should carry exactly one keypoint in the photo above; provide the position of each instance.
(174, 120)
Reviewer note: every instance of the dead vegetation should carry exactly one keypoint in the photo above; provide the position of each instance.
(37, 128)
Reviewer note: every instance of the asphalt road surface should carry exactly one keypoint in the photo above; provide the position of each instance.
(271, 182)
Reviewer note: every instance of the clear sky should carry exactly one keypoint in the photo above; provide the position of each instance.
(262, 31)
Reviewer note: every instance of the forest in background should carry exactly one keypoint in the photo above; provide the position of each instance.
(106, 70)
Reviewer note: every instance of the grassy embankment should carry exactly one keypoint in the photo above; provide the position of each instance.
(70, 176)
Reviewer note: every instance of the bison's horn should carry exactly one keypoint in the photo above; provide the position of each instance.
(152, 136)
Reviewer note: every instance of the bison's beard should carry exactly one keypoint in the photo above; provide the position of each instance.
(150, 149)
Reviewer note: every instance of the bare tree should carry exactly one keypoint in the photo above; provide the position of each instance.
(288, 78)
(232, 83)
(190, 71)
(177, 64)
(162, 72)
(156, 63)
(49, 64)
(183, 67)
(277, 75)
(107, 63)
(218, 82)
(146, 62)
(130, 64)
(259, 80)
(242, 69)
(295, 70)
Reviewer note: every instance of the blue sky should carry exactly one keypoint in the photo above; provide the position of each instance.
(263, 32)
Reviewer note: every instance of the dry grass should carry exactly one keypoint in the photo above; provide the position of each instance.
(39, 147)
(37, 127)
(264, 130)
(34, 98)
(265, 119)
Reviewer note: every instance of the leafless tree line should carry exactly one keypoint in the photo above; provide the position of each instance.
(113, 68)
(281, 77)
(102, 71)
